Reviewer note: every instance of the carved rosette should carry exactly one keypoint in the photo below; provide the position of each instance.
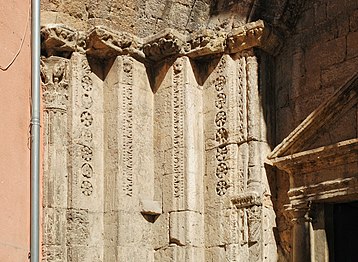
(86, 134)
(221, 134)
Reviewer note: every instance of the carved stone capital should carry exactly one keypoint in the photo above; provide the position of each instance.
(54, 76)
(300, 213)
(58, 40)
(105, 43)
(255, 34)
(247, 199)
(205, 42)
(167, 43)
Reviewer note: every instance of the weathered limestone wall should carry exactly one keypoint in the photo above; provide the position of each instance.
(15, 82)
(319, 57)
(145, 18)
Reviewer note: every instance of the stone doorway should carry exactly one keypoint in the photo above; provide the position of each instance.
(343, 232)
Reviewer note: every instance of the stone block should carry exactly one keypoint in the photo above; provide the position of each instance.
(53, 253)
(306, 20)
(80, 253)
(352, 45)
(133, 229)
(160, 231)
(320, 13)
(334, 8)
(353, 21)
(351, 5)
(179, 253)
(326, 54)
(186, 228)
(134, 254)
(213, 254)
(150, 207)
(54, 232)
(286, 125)
(217, 221)
(182, 192)
(335, 75)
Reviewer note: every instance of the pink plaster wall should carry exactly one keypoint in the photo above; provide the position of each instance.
(15, 86)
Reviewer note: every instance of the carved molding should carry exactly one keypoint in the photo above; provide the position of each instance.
(60, 40)
(305, 166)
(336, 189)
(315, 159)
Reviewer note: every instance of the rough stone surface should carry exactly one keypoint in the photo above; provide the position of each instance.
(160, 116)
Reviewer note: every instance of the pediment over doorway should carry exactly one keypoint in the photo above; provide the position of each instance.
(320, 155)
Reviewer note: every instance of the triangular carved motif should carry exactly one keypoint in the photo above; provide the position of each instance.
(317, 124)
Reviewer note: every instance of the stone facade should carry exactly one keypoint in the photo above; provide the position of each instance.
(160, 122)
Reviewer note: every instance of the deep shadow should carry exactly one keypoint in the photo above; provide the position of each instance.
(278, 181)
(203, 67)
(157, 71)
(100, 67)
(150, 218)
(345, 217)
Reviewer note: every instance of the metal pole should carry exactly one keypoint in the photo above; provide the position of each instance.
(35, 131)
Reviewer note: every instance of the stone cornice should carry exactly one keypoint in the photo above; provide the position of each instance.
(327, 161)
(60, 40)
(339, 189)
(315, 159)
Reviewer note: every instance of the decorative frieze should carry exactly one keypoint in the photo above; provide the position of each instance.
(221, 134)
(86, 121)
(178, 100)
(127, 129)
(100, 41)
